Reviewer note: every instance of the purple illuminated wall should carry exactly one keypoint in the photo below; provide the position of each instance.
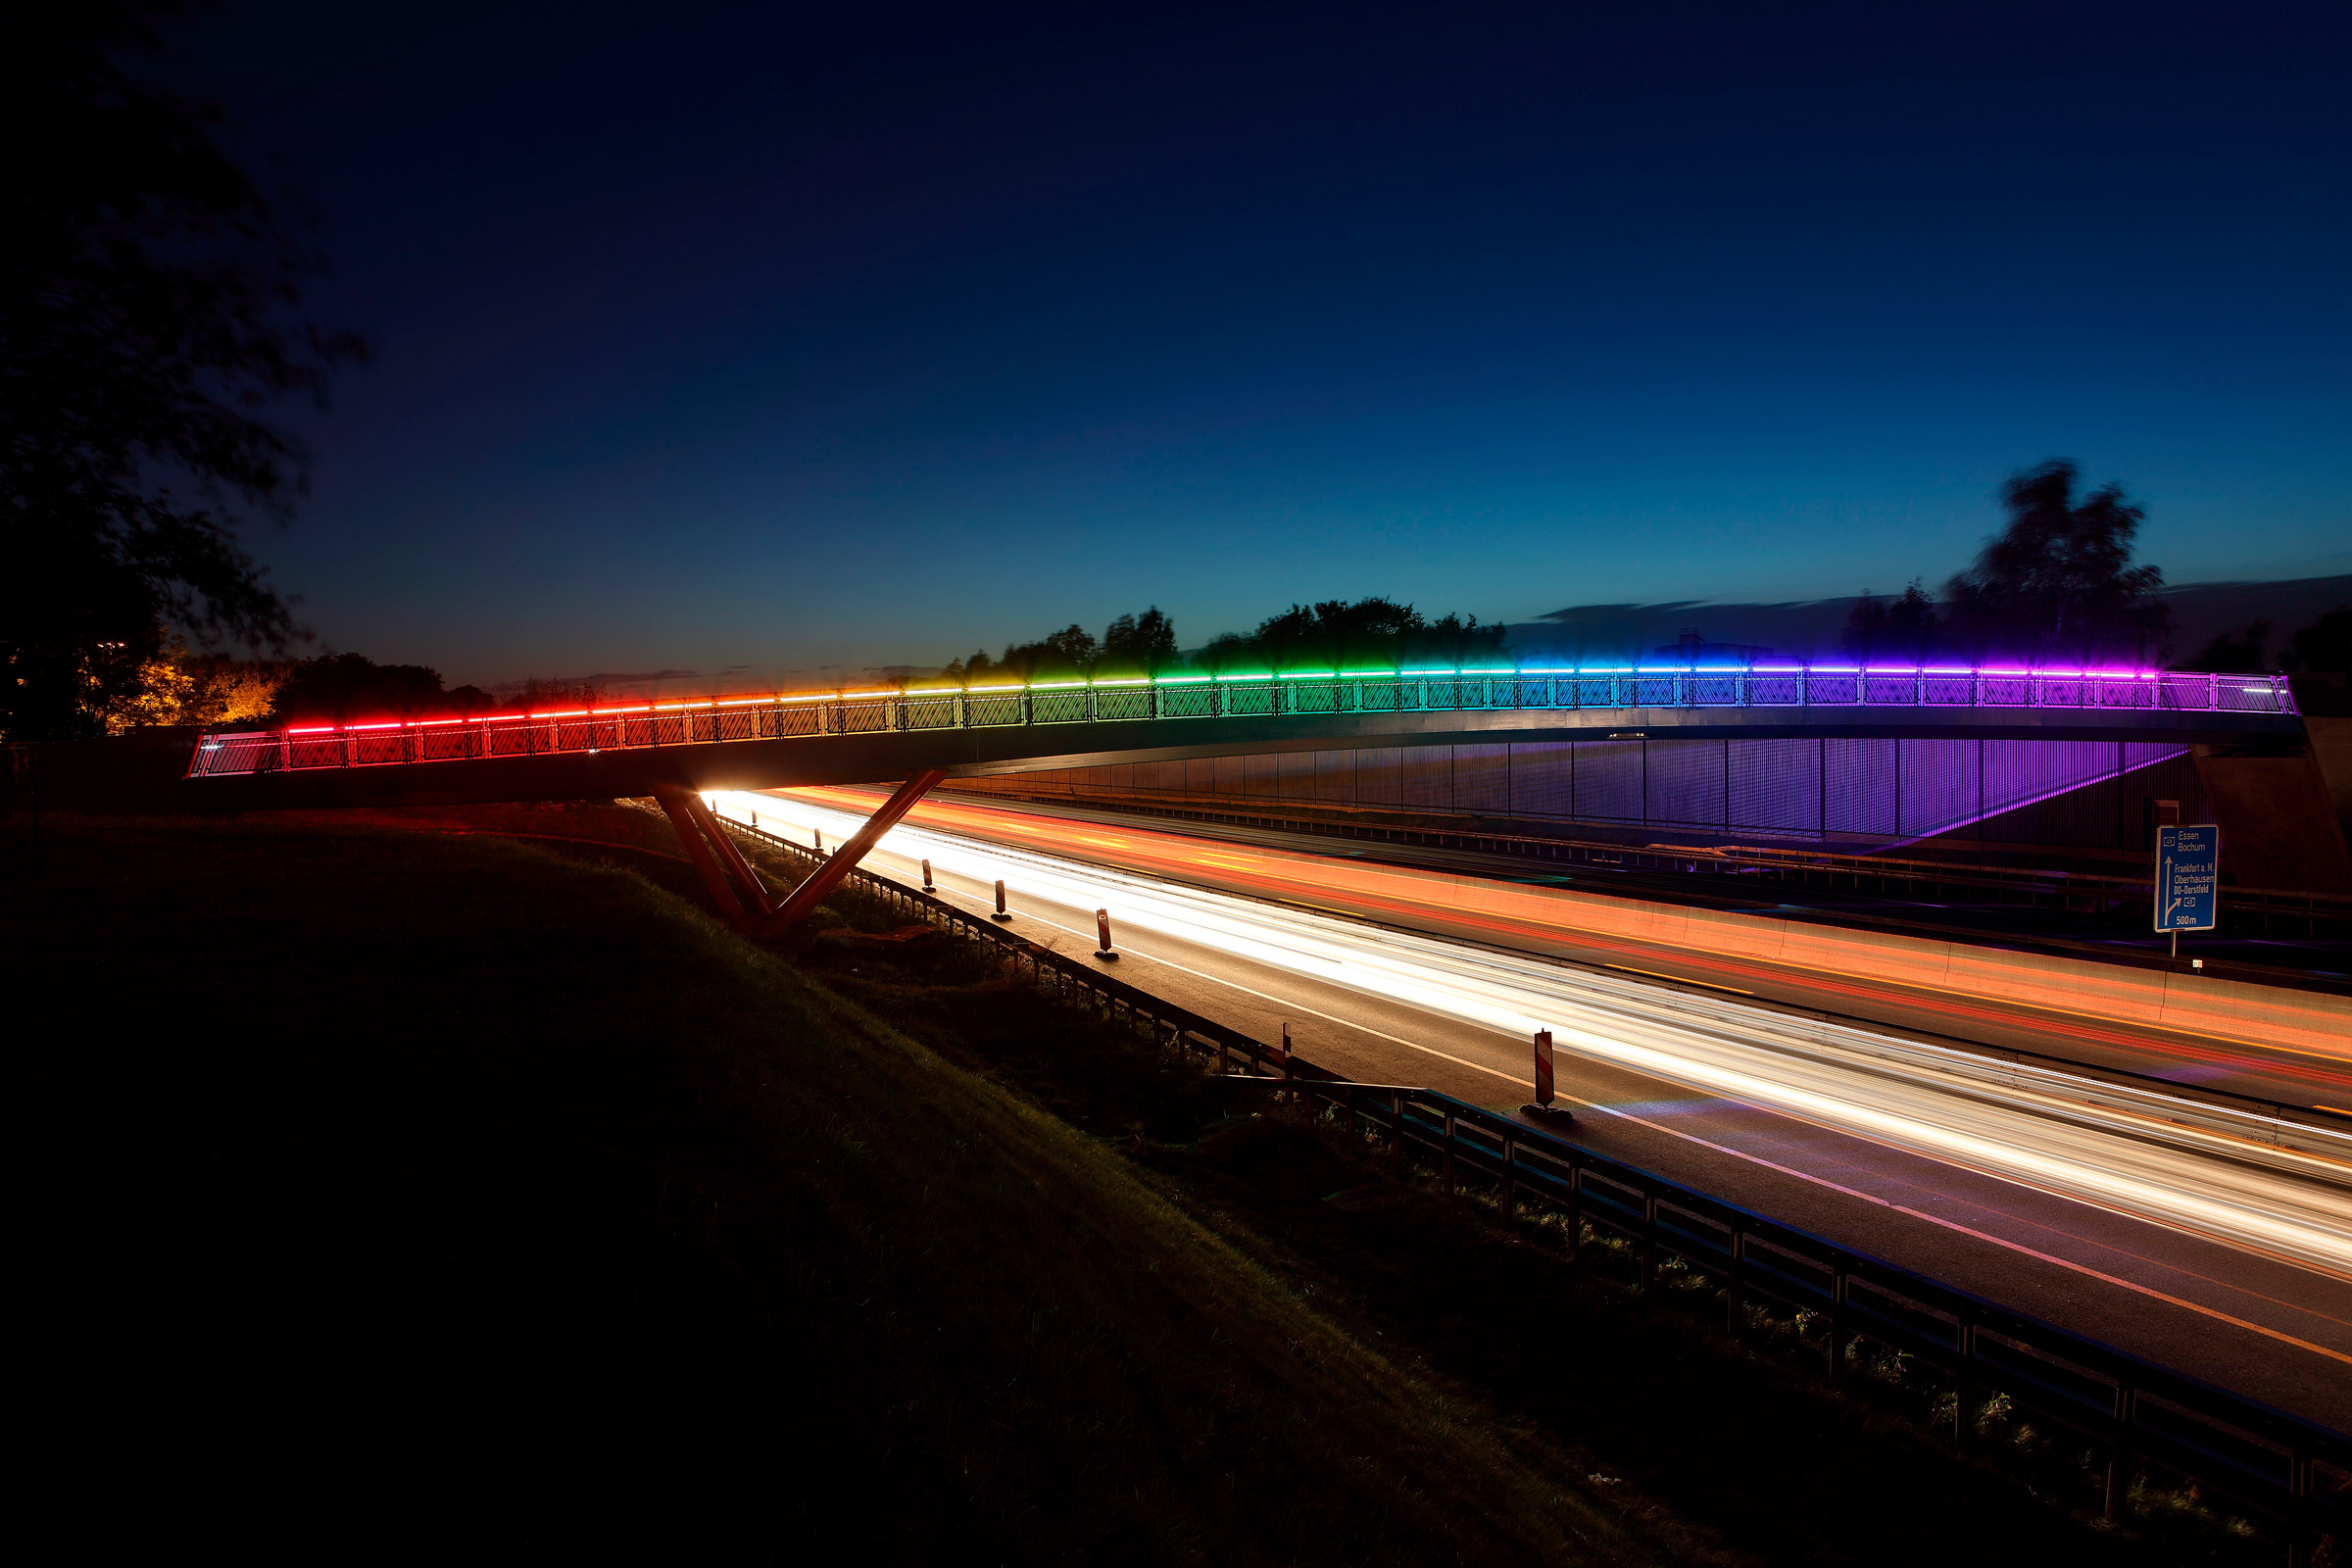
(1852, 793)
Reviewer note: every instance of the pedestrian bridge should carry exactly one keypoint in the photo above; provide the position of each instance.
(774, 741)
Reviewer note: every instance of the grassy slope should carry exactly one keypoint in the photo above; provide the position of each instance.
(403, 1173)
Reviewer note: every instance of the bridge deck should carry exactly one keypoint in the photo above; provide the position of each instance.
(854, 737)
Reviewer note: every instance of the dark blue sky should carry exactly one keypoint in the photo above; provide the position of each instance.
(759, 338)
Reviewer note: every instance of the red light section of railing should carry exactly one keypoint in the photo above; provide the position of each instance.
(786, 716)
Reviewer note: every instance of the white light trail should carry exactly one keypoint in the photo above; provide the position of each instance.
(2283, 1188)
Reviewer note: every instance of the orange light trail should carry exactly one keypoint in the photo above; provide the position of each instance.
(2278, 1189)
(1415, 899)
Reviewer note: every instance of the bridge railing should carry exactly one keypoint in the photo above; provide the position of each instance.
(1176, 698)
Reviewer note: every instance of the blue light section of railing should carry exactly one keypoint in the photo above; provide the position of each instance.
(1176, 698)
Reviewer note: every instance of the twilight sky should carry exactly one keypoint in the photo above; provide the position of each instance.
(762, 339)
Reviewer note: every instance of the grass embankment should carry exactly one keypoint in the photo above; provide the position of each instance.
(404, 1179)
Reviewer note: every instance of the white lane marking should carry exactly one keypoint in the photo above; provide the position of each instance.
(1805, 1176)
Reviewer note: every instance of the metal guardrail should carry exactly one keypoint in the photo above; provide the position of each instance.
(2294, 1474)
(1183, 697)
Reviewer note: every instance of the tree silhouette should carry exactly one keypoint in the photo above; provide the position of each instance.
(338, 688)
(148, 312)
(1908, 627)
(1141, 644)
(1370, 633)
(2232, 653)
(1333, 634)
(2058, 585)
(2323, 646)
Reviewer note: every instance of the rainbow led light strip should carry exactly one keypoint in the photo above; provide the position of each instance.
(1120, 683)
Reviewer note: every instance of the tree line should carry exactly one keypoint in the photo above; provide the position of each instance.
(2058, 586)
(1372, 633)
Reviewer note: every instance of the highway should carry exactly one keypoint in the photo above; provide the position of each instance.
(1547, 913)
(2200, 1233)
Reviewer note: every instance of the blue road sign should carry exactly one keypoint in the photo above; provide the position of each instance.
(2189, 867)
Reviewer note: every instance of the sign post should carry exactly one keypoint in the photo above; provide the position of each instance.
(2188, 881)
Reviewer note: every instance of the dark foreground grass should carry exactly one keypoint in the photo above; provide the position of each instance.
(387, 1186)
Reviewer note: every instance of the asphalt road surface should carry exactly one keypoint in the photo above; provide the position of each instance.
(2193, 1233)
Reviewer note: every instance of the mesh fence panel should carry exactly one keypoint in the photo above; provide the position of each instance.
(1859, 786)
(1123, 701)
(1249, 700)
(1683, 783)
(1833, 691)
(2060, 691)
(1775, 785)
(2244, 696)
(1318, 696)
(1608, 780)
(1482, 779)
